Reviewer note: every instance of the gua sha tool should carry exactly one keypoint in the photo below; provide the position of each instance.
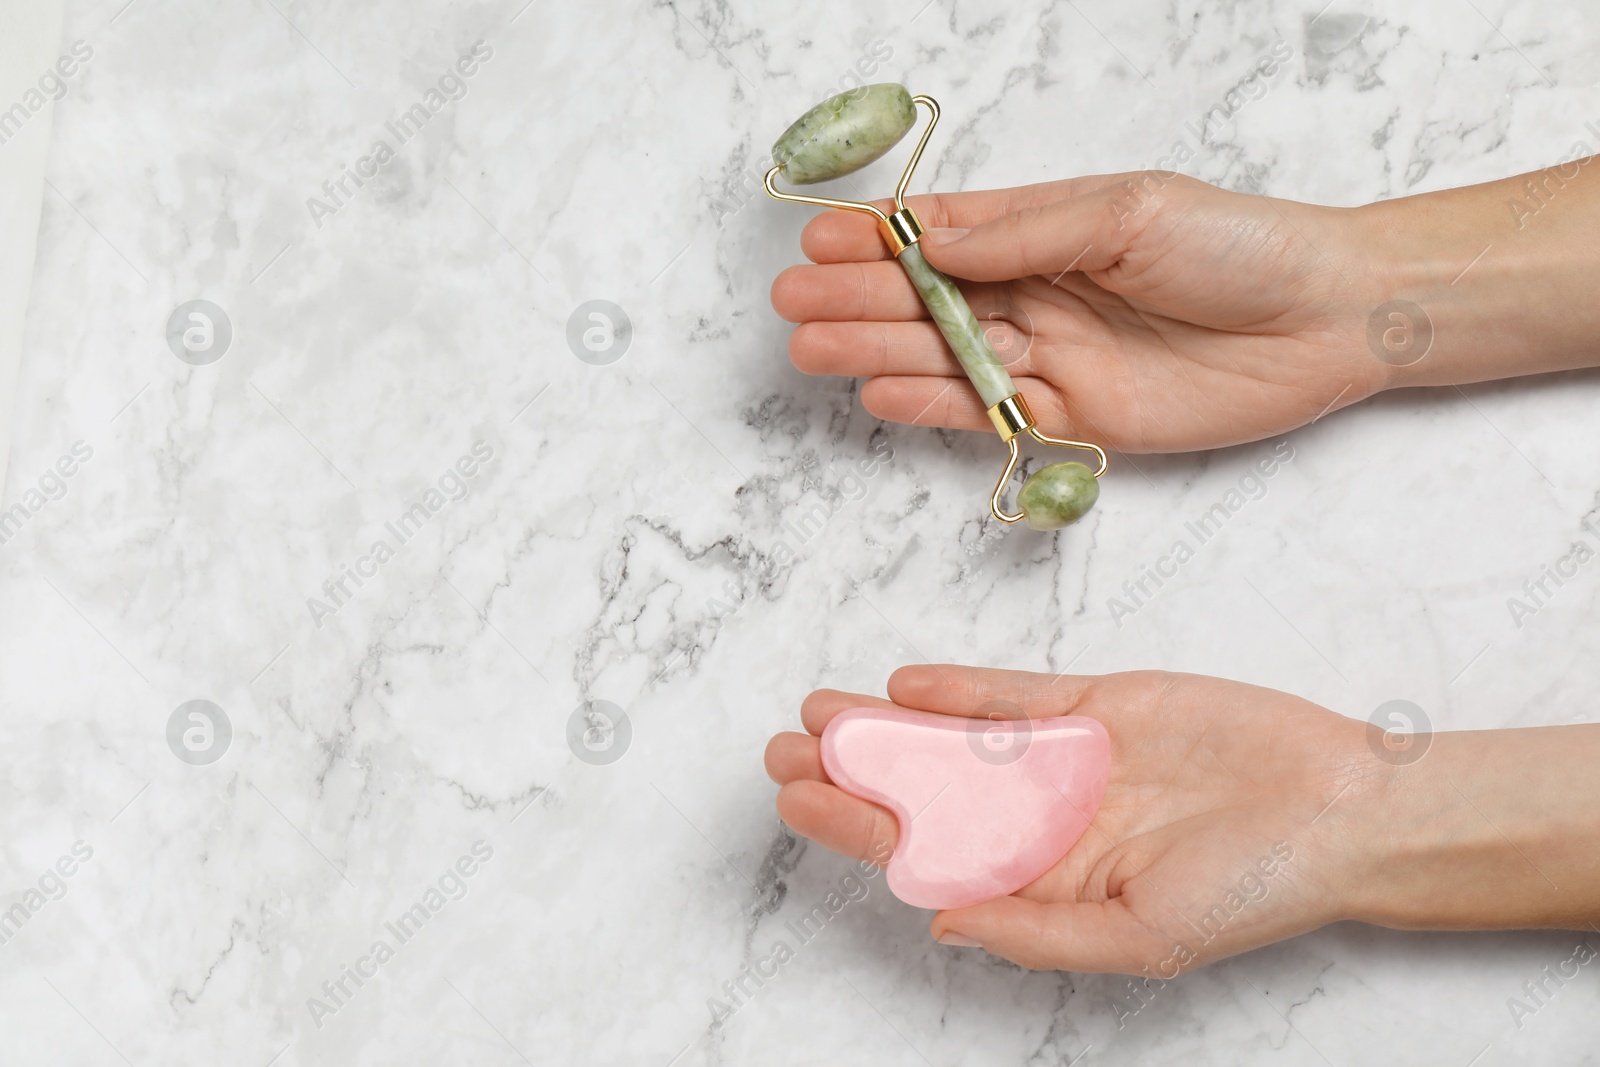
(984, 806)
(845, 133)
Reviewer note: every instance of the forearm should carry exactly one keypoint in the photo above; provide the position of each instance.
(1490, 829)
(1507, 274)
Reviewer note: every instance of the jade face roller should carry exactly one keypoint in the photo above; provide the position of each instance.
(845, 133)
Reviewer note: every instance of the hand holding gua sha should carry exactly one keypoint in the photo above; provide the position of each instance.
(845, 133)
(985, 807)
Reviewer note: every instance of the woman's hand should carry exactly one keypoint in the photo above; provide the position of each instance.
(1147, 312)
(1215, 836)
(1236, 816)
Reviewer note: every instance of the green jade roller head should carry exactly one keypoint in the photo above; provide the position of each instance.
(845, 133)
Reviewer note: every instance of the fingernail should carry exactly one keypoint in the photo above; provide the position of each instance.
(944, 236)
(950, 937)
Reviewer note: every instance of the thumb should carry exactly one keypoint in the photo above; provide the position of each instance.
(1091, 937)
(1086, 232)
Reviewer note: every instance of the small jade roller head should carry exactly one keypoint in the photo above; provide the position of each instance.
(847, 132)
(1058, 495)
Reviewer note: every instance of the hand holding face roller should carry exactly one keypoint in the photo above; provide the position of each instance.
(845, 133)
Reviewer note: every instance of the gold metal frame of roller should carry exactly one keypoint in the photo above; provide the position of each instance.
(901, 229)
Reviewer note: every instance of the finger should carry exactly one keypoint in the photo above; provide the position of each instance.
(846, 292)
(933, 401)
(867, 292)
(1092, 937)
(794, 757)
(1087, 231)
(836, 820)
(819, 707)
(975, 691)
(850, 236)
(843, 237)
(870, 349)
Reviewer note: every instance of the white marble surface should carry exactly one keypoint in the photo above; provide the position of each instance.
(616, 546)
(27, 78)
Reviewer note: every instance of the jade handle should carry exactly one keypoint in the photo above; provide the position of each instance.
(960, 327)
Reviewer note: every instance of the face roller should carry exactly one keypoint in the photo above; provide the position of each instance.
(845, 133)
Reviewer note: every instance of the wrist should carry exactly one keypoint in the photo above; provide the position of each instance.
(1487, 281)
(1492, 829)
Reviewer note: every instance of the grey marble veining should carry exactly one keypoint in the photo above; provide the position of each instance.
(693, 533)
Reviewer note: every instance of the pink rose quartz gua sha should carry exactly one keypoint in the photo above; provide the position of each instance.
(984, 806)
